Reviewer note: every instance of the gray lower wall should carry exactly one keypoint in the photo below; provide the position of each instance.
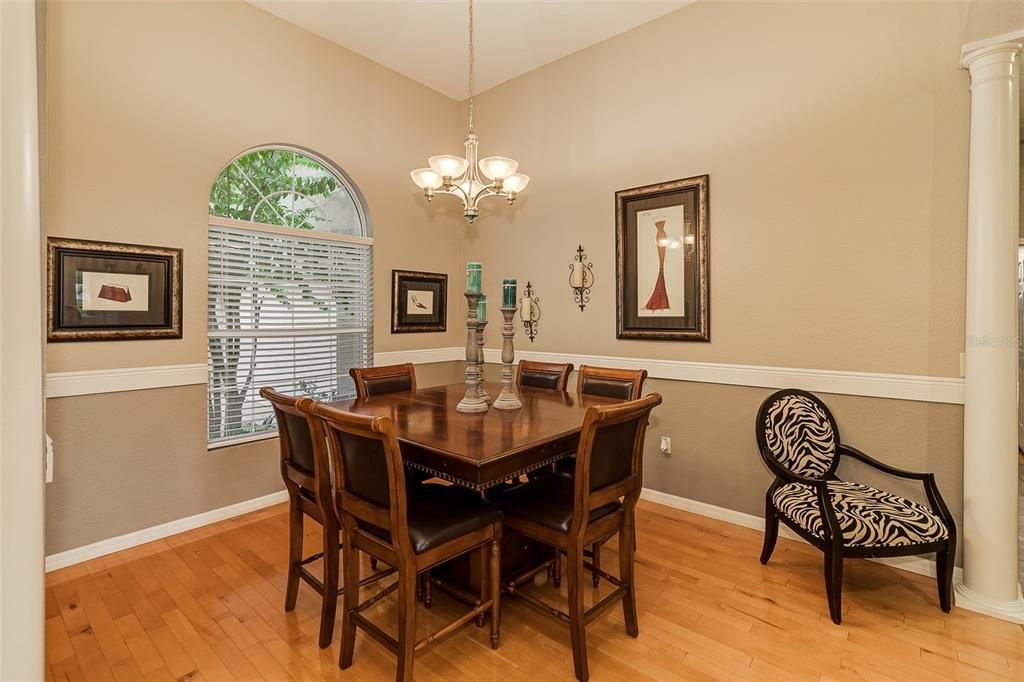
(132, 460)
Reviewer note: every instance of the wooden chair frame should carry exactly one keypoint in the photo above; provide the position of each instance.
(361, 374)
(832, 543)
(637, 377)
(354, 510)
(321, 509)
(583, 534)
(561, 370)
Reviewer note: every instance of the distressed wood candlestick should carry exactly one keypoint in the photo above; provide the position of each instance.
(472, 402)
(481, 391)
(507, 399)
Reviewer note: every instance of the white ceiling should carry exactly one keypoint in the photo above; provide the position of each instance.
(427, 41)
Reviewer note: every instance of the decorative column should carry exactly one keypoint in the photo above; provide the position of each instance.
(21, 363)
(990, 535)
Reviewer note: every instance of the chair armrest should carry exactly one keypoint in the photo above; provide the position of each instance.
(885, 468)
(931, 488)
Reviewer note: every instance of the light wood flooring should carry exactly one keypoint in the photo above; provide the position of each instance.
(207, 604)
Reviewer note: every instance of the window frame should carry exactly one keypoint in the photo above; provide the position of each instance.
(363, 240)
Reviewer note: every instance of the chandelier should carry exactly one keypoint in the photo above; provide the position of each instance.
(461, 177)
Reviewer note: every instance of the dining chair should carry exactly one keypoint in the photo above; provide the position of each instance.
(306, 473)
(412, 529)
(798, 439)
(372, 381)
(609, 382)
(554, 376)
(572, 513)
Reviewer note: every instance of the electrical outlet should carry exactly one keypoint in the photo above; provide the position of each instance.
(49, 460)
(666, 445)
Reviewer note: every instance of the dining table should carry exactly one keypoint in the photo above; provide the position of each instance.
(483, 451)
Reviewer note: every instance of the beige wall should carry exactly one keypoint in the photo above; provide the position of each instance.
(988, 18)
(836, 138)
(146, 103)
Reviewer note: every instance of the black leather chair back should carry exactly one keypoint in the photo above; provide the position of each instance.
(611, 455)
(372, 381)
(624, 384)
(303, 466)
(364, 468)
(547, 375)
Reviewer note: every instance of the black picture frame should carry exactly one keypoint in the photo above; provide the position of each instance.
(691, 297)
(404, 287)
(108, 291)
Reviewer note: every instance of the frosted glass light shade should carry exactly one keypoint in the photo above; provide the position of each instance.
(516, 182)
(498, 167)
(448, 166)
(426, 178)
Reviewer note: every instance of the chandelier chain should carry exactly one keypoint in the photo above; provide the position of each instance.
(471, 60)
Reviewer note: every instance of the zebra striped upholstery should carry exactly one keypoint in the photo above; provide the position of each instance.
(799, 435)
(868, 517)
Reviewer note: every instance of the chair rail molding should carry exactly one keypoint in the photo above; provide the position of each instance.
(841, 382)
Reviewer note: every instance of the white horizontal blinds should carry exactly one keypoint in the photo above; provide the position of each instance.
(290, 311)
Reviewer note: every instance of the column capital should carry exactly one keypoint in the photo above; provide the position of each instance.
(991, 62)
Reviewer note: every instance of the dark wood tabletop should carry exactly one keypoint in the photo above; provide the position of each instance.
(479, 450)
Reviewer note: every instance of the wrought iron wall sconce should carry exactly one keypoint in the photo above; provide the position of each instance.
(529, 311)
(581, 277)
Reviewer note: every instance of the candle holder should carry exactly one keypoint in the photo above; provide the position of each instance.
(529, 312)
(581, 278)
(472, 402)
(507, 399)
(481, 391)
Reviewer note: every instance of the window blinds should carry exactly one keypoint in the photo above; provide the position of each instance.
(292, 311)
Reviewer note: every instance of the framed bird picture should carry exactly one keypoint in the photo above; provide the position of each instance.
(662, 261)
(419, 301)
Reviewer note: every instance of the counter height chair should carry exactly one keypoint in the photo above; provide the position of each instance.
(625, 384)
(554, 376)
(412, 529)
(798, 439)
(372, 381)
(571, 513)
(306, 474)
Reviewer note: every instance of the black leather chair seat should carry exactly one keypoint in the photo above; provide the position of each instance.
(439, 513)
(547, 501)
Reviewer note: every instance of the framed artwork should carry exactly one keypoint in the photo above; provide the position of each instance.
(662, 261)
(99, 291)
(419, 302)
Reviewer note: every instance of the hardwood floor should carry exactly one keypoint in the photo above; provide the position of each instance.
(207, 604)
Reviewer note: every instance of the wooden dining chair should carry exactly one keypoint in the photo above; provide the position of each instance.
(609, 382)
(554, 376)
(412, 529)
(372, 381)
(572, 513)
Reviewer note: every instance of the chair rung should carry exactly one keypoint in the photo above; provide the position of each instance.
(377, 597)
(384, 638)
(603, 605)
(313, 581)
(597, 571)
(525, 577)
(541, 607)
(453, 626)
(456, 592)
(311, 558)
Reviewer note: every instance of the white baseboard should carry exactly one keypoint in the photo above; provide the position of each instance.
(966, 598)
(918, 565)
(141, 537)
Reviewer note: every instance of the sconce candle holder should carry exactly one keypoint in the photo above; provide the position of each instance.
(529, 311)
(581, 278)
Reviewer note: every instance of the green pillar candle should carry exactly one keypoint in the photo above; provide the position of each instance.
(481, 308)
(508, 293)
(473, 272)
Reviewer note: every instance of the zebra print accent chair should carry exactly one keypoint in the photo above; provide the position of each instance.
(798, 439)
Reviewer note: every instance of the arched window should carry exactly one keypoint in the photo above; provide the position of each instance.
(290, 297)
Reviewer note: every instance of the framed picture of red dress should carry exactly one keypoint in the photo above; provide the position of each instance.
(662, 261)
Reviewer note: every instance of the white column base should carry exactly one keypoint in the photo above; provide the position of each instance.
(1012, 611)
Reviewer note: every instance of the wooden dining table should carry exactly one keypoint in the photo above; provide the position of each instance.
(482, 450)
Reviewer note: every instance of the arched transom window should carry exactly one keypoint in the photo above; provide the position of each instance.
(290, 294)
